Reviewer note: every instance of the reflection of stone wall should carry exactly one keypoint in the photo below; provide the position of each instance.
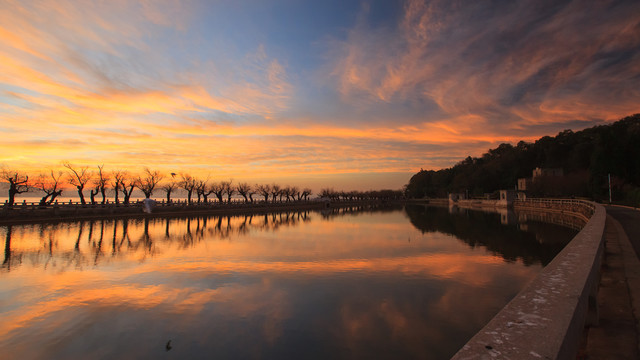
(578, 208)
(487, 228)
(567, 219)
(35, 213)
(546, 320)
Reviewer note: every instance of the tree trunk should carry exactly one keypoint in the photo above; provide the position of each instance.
(12, 195)
(81, 195)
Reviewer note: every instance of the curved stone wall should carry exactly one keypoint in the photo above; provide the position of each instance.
(546, 319)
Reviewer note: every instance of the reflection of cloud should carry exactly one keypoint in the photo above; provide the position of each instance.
(75, 292)
(351, 282)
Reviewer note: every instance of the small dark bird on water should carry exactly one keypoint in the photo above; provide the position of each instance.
(168, 347)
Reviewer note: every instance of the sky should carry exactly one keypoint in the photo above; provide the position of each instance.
(353, 95)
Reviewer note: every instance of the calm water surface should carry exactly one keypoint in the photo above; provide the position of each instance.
(406, 283)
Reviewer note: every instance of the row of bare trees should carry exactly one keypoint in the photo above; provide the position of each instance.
(81, 178)
(222, 190)
(361, 195)
(100, 182)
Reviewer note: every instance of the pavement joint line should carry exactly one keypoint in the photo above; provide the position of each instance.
(632, 273)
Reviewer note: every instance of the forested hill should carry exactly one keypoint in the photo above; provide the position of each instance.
(586, 157)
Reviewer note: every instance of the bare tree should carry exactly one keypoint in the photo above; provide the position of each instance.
(148, 181)
(188, 183)
(201, 186)
(18, 184)
(284, 193)
(207, 190)
(203, 189)
(101, 183)
(251, 192)
(169, 187)
(118, 177)
(49, 187)
(218, 190)
(275, 191)
(306, 192)
(244, 189)
(93, 192)
(328, 193)
(264, 190)
(295, 193)
(78, 178)
(229, 189)
(127, 184)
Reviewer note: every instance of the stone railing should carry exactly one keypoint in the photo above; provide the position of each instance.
(546, 319)
(582, 208)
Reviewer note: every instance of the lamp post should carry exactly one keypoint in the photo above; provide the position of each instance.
(609, 188)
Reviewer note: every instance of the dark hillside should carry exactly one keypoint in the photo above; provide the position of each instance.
(586, 157)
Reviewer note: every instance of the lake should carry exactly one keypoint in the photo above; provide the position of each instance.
(409, 282)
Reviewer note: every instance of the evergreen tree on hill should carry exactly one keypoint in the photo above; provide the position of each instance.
(586, 156)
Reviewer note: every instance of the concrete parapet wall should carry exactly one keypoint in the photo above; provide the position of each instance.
(547, 318)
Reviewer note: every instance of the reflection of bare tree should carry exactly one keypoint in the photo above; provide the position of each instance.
(146, 238)
(96, 235)
(80, 228)
(7, 249)
(113, 241)
(203, 228)
(98, 247)
(90, 236)
(188, 237)
(125, 234)
(243, 228)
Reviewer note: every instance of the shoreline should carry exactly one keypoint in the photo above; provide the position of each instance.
(35, 214)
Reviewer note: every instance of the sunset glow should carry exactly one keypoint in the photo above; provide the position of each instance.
(353, 95)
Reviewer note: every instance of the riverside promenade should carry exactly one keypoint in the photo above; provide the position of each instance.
(585, 304)
(616, 335)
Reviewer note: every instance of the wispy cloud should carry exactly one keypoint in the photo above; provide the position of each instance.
(506, 65)
(136, 82)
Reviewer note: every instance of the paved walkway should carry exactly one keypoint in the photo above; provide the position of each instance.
(616, 334)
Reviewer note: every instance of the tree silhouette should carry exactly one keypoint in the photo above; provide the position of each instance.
(244, 189)
(264, 190)
(79, 178)
(204, 189)
(118, 176)
(127, 184)
(229, 189)
(148, 181)
(306, 192)
(188, 183)
(168, 188)
(49, 187)
(218, 190)
(93, 192)
(275, 192)
(101, 183)
(18, 184)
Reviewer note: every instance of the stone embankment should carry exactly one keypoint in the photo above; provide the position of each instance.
(546, 320)
(33, 212)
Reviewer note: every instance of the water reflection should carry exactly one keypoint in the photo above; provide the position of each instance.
(342, 283)
(523, 238)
